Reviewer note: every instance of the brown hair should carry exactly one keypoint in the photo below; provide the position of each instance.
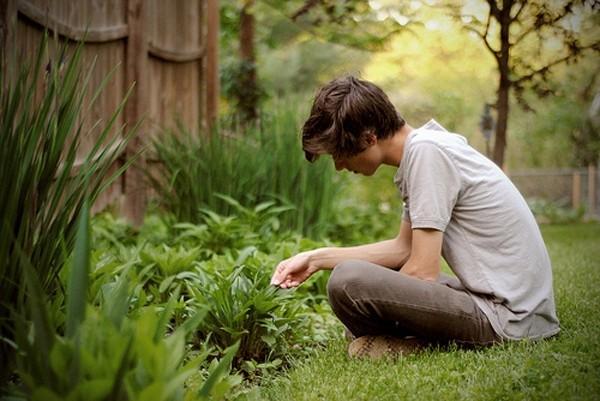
(343, 114)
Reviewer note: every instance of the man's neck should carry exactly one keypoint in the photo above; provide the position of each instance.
(393, 147)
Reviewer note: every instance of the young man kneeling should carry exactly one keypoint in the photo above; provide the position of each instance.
(458, 204)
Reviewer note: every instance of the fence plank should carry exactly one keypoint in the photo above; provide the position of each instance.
(212, 60)
(8, 20)
(134, 205)
(591, 190)
(166, 53)
(100, 24)
(576, 193)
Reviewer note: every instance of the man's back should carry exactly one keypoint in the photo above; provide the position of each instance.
(491, 239)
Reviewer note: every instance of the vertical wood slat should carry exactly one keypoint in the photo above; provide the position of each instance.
(8, 20)
(188, 85)
(212, 59)
(134, 202)
(576, 191)
(591, 190)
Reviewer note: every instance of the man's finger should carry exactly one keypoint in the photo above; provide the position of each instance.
(279, 275)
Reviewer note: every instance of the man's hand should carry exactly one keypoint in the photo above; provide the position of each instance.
(293, 271)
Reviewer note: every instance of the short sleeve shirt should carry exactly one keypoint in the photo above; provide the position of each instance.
(491, 239)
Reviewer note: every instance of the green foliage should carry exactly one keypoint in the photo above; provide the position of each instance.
(247, 227)
(551, 212)
(242, 306)
(246, 94)
(558, 133)
(224, 267)
(106, 355)
(41, 128)
(260, 164)
(296, 50)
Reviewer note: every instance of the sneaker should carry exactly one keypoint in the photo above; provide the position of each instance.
(375, 347)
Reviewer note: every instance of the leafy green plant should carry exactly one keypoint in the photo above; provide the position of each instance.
(241, 306)
(41, 127)
(251, 165)
(224, 266)
(169, 260)
(257, 226)
(104, 354)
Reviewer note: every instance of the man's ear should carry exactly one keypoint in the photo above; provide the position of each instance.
(371, 138)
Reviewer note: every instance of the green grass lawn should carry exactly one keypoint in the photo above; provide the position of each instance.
(563, 368)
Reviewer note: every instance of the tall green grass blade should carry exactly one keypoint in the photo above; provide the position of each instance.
(246, 167)
(42, 327)
(163, 320)
(78, 280)
(120, 377)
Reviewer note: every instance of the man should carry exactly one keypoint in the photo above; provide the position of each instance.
(458, 204)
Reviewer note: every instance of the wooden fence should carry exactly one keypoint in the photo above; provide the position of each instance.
(168, 48)
(569, 187)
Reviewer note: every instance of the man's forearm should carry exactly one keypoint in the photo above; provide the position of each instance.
(390, 253)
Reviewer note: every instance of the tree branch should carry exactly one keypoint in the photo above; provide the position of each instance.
(552, 64)
(305, 8)
(496, 53)
(536, 27)
(484, 36)
(516, 17)
(494, 10)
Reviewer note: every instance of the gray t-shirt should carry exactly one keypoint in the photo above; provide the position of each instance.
(491, 239)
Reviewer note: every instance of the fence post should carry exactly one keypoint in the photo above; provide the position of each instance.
(134, 186)
(8, 17)
(591, 190)
(576, 190)
(212, 61)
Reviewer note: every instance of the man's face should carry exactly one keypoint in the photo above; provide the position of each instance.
(365, 162)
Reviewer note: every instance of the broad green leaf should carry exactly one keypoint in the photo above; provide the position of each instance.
(117, 301)
(221, 369)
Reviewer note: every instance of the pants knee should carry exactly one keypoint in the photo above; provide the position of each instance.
(345, 276)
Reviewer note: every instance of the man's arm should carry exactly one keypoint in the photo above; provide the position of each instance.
(391, 253)
(426, 251)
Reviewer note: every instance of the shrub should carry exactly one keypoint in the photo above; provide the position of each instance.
(106, 355)
(551, 212)
(40, 136)
(251, 165)
(242, 306)
(231, 281)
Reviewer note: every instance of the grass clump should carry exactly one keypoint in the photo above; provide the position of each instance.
(250, 165)
(41, 129)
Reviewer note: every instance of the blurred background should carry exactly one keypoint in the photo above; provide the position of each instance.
(519, 79)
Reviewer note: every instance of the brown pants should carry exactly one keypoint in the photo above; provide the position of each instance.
(371, 299)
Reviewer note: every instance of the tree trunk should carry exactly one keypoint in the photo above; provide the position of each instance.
(504, 83)
(248, 94)
(502, 107)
